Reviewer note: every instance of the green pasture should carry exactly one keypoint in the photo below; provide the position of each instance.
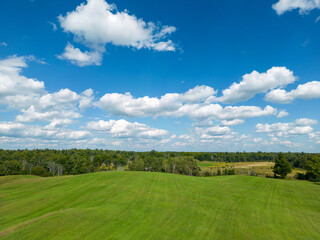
(142, 205)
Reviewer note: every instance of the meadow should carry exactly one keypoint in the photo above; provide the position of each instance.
(144, 205)
(261, 169)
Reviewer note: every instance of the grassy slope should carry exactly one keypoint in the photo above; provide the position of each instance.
(140, 205)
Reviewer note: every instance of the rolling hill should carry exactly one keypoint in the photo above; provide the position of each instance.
(142, 205)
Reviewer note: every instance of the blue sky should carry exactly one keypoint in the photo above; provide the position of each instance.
(141, 75)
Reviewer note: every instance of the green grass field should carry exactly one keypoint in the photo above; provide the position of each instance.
(142, 205)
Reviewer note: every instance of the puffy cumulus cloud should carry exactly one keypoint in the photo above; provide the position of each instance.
(232, 122)
(104, 142)
(198, 94)
(86, 98)
(19, 130)
(232, 142)
(299, 127)
(203, 123)
(166, 105)
(195, 104)
(306, 122)
(304, 6)
(123, 128)
(30, 97)
(58, 123)
(32, 115)
(77, 57)
(215, 132)
(290, 144)
(315, 137)
(275, 143)
(97, 23)
(307, 91)
(62, 104)
(126, 105)
(255, 82)
(229, 113)
(282, 114)
(12, 83)
(283, 129)
(73, 135)
(57, 110)
(213, 138)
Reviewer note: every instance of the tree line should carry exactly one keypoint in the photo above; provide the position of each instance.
(50, 162)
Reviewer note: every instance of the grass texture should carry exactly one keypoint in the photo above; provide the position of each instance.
(142, 205)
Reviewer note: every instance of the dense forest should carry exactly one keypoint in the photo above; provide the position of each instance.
(48, 162)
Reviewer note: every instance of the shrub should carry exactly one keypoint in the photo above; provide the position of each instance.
(206, 174)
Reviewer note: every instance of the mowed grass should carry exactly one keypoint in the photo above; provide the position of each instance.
(142, 205)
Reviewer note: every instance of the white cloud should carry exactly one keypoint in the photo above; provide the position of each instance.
(195, 104)
(198, 94)
(86, 99)
(257, 140)
(299, 127)
(217, 112)
(58, 123)
(304, 6)
(282, 114)
(164, 46)
(287, 143)
(217, 130)
(12, 83)
(315, 137)
(97, 23)
(57, 110)
(203, 123)
(54, 26)
(179, 144)
(33, 115)
(306, 122)
(19, 130)
(73, 135)
(232, 122)
(3, 44)
(61, 104)
(126, 105)
(255, 83)
(123, 128)
(317, 19)
(117, 143)
(168, 104)
(29, 96)
(79, 58)
(185, 137)
(307, 91)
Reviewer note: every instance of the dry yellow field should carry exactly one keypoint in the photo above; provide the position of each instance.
(260, 169)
